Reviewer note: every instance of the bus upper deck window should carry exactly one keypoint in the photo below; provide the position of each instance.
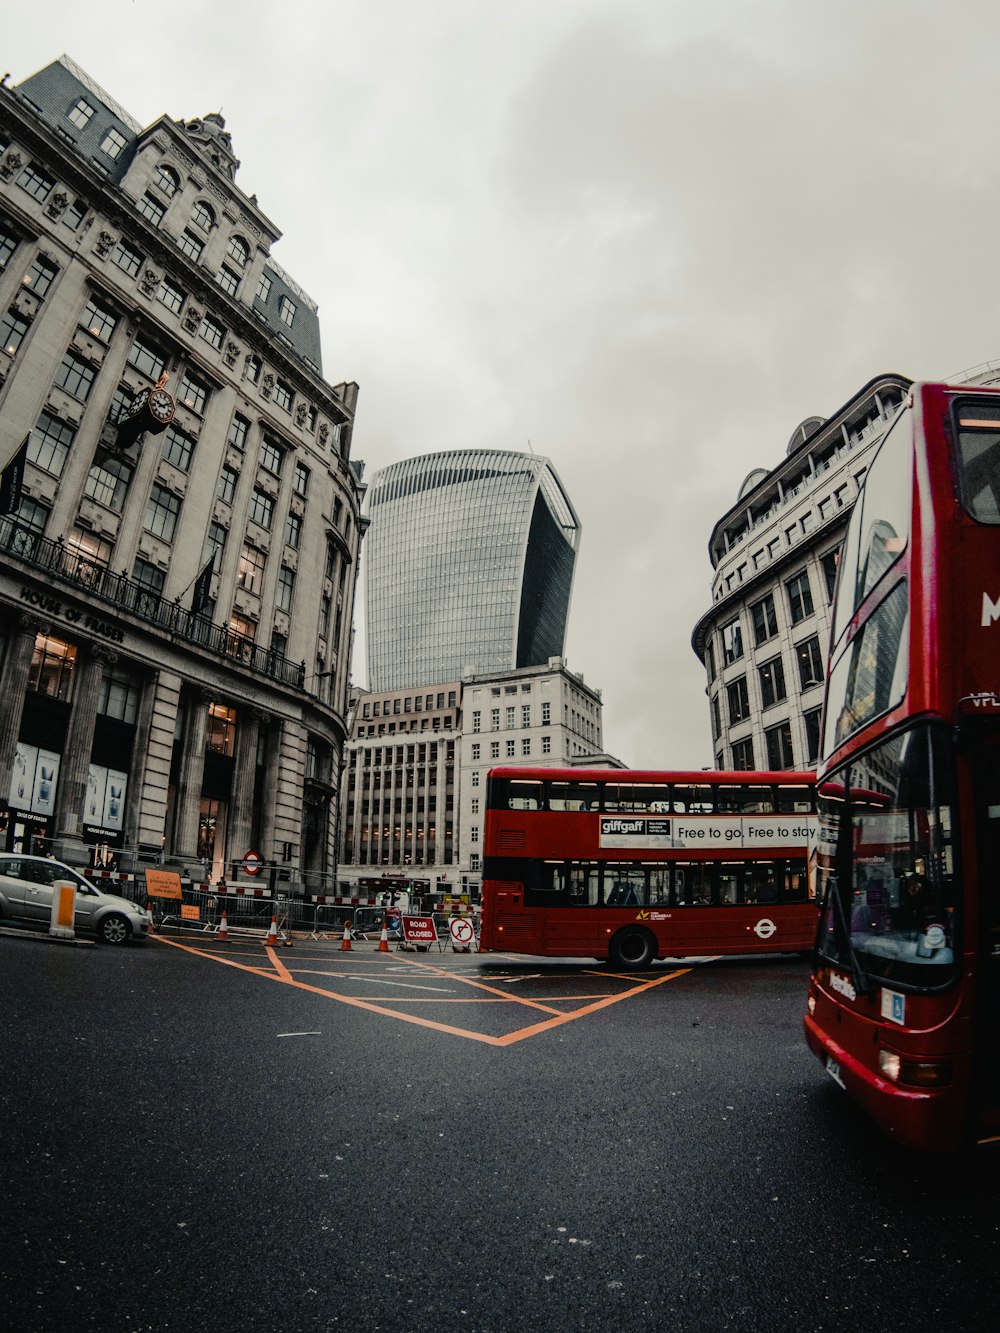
(633, 798)
(693, 800)
(794, 800)
(524, 796)
(744, 801)
(574, 796)
(979, 460)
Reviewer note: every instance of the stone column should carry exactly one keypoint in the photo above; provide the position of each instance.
(192, 772)
(68, 844)
(14, 682)
(268, 814)
(240, 834)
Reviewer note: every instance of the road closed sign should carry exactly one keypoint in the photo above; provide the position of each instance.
(419, 930)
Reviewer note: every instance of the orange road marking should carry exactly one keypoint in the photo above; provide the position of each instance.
(282, 975)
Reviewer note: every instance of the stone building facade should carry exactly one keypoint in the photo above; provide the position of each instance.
(764, 639)
(414, 786)
(178, 572)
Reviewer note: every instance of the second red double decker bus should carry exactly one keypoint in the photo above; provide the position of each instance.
(904, 1005)
(632, 866)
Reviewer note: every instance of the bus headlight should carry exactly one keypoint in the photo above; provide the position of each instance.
(811, 1004)
(915, 1073)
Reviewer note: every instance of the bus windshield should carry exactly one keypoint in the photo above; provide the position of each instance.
(885, 863)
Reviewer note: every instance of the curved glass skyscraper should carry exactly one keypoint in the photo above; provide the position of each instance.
(469, 564)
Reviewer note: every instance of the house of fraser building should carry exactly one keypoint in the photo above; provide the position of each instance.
(167, 377)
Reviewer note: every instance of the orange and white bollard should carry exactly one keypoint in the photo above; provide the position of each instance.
(152, 923)
(272, 934)
(223, 931)
(345, 943)
(383, 939)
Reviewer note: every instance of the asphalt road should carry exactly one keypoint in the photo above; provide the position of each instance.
(454, 1142)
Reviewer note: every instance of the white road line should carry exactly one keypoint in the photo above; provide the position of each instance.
(300, 1034)
(348, 976)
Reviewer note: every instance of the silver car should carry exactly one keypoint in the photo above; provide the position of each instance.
(26, 893)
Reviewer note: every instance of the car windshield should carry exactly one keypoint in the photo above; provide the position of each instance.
(885, 863)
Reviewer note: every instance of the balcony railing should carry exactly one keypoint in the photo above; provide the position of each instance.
(76, 569)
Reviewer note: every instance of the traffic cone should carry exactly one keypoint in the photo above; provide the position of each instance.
(272, 934)
(223, 931)
(383, 939)
(345, 943)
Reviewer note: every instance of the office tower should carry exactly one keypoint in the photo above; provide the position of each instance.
(469, 566)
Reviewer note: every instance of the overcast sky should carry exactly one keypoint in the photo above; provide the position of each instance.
(647, 236)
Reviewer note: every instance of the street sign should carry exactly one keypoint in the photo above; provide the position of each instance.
(462, 934)
(163, 884)
(419, 930)
(252, 864)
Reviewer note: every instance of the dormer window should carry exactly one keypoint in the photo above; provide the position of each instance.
(113, 143)
(80, 113)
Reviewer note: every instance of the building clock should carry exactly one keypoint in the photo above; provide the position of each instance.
(150, 410)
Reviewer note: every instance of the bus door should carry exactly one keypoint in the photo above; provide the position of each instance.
(571, 891)
(986, 1065)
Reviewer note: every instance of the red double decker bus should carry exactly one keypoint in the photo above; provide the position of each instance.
(632, 866)
(904, 1001)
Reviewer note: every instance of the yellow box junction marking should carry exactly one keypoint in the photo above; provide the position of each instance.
(557, 1018)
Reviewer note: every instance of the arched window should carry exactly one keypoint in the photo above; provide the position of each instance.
(204, 216)
(238, 251)
(167, 180)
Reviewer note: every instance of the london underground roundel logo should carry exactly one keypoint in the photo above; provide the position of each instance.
(764, 928)
(252, 864)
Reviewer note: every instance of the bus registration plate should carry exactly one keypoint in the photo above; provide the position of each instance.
(833, 1069)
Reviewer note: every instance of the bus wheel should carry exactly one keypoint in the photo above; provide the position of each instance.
(632, 949)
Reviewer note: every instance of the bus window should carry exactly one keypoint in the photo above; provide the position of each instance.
(979, 460)
(561, 883)
(880, 526)
(871, 675)
(624, 886)
(795, 882)
(524, 796)
(632, 799)
(692, 800)
(584, 884)
(659, 885)
(729, 884)
(573, 795)
(760, 883)
(744, 800)
(795, 800)
(887, 500)
(693, 884)
(545, 883)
